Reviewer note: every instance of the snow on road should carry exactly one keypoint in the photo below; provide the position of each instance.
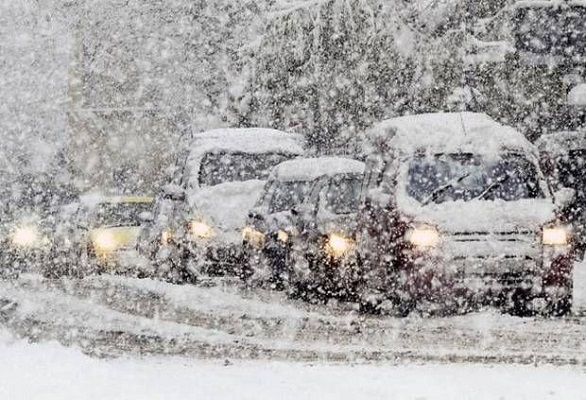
(48, 371)
(114, 316)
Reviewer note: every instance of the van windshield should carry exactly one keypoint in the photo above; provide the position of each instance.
(464, 176)
(221, 167)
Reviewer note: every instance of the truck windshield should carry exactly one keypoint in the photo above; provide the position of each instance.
(452, 177)
(221, 167)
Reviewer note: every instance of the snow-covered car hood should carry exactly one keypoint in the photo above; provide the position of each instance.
(484, 216)
(225, 206)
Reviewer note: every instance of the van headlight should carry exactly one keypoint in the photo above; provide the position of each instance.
(200, 229)
(555, 236)
(25, 236)
(338, 245)
(253, 237)
(424, 236)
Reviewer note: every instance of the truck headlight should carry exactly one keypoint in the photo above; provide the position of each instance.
(25, 236)
(555, 236)
(425, 236)
(200, 229)
(253, 237)
(339, 245)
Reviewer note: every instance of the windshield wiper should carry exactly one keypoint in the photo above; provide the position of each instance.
(499, 181)
(439, 190)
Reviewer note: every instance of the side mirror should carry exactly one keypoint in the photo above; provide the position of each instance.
(173, 192)
(564, 197)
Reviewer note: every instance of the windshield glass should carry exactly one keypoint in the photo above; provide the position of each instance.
(343, 194)
(551, 30)
(119, 214)
(571, 172)
(452, 177)
(288, 195)
(224, 167)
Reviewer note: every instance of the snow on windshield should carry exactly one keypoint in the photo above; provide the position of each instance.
(464, 176)
(220, 167)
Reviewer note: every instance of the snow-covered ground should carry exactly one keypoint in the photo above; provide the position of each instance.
(113, 337)
(51, 372)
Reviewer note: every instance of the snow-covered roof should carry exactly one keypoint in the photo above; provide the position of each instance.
(448, 133)
(307, 169)
(562, 142)
(577, 96)
(249, 140)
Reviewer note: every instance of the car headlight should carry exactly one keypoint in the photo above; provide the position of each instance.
(200, 229)
(283, 236)
(104, 241)
(339, 245)
(555, 236)
(253, 237)
(25, 236)
(425, 236)
(166, 237)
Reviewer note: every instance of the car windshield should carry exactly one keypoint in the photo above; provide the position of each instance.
(287, 195)
(551, 30)
(224, 167)
(452, 177)
(343, 194)
(119, 214)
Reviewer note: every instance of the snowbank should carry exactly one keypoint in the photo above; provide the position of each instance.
(51, 372)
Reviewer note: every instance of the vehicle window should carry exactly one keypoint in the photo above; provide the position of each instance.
(571, 172)
(119, 214)
(343, 194)
(288, 195)
(453, 177)
(551, 30)
(224, 167)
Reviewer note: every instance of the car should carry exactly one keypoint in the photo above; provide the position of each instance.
(223, 173)
(455, 214)
(274, 223)
(101, 235)
(31, 205)
(322, 264)
(563, 158)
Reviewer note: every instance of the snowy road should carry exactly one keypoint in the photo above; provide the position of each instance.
(113, 316)
(48, 371)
